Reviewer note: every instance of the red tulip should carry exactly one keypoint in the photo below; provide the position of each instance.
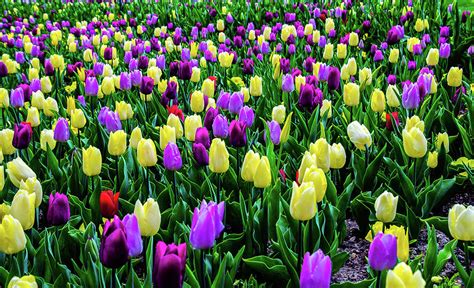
(109, 203)
(388, 119)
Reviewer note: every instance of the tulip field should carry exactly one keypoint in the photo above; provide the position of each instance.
(237, 144)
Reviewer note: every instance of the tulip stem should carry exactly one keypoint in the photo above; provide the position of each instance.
(379, 279)
(147, 183)
(352, 112)
(118, 175)
(367, 156)
(203, 268)
(130, 270)
(300, 245)
(79, 139)
(264, 221)
(467, 258)
(175, 190)
(218, 195)
(4, 124)
(414, 174)
(238, 167)
(112, 279)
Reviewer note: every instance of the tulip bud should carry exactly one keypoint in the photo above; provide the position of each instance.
(249, 166)
(218, 156)
(22, 135)
(172, 157)
(78, 120)
(321, 150)
(317, 176)
(359, 135)
(303, 201)
(169, 264)
(117, 143)
(149, 217)
(124, 110)
(58, 209)
(316, 270)
(61, 130)
(403, 275)
(262, 177)
(12, 237)
(383, 252)
(394, 55)
(135, 137)
(146, 153)
(414, 142)
(191, 123)
(432, 161)
(208, 88)
(454, 77)
(91, 161)
(433, 57)
(256, 86)
(392, 96)
(33, 117)
(351, 94)
(33, 186)
(442, 139)
(337, 156)
(386, 207)
(23, 208)
(460, 221)
(377, 101)
(206, 224)
(113, 245)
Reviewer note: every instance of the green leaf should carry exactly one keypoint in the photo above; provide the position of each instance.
(374, 167)
(431, 254)
(219, 280)
(271, 268)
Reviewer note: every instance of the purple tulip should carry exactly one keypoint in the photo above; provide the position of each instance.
(112, 121)
(127, 57)
(3, 69)
(275, 132)
(161, 62)
(287, 83)
(284, 65)
(417, 50)
(220, 126)
(61, 131)
(174, 67)
(247, 116)
(202, 136)
(200, 154)
(172, 157)
(237, 135)
(146, 87)
(223, 100)
(210, 116)
(411, 65)
(334, 77)
(91, 86)
(99, 68)
(383, 252)
(378, 56)
(81, 100)
(247, 66)
(48, 68)
(169, 265)
(113, 246)
(58, 209)
(366, 25)
(134, 238)
(444, 31)
(142, 62)
(20, 57)
(424, 84)
(17, 97)
(206, 225)
(22, 135)
(445, 50)
(392, 79)
(306, 95)
(395, 34)
(104, 111)
(136, 76)
(125, 81)
(185, 71)
(236, 101)
(185, 54)
(170, 93)
(411, 96)
(35, 85)
(316, 270)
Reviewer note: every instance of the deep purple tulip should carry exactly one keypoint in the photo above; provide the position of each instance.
(247, 115)
(112, 122)
(3, 69)
(316, 270)
(220, 126)
(284, 65)
(247, 66)
(48, 68)
(91, 86)
(174, 67)
(392, 79)
(209, 118)
(383, 252)
(113, 246)
(334, 78)
(185, 70)
(237, 135)
(444, 31)
(146, 87)
(206, 225)
(125, 81)
(306, 95)
(202, 136)
(26, 91)
(411, 65)
(172, 157)
(411, 96)
(287, 83)
(17, 98)
(378, 56)
(169, 265)
(170, 93)
(61, 131)
(200, 154)
(275, 132)
(308, 64)
(366, 25)
(58, 209)
(395, 34)
(236, 101)
(22, 135)
(143, 62)
(417, 49)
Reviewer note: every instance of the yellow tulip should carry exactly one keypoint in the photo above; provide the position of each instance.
(191, 123)
(341, 51)
(460, 221)
(351, 94)
(50, 107)
(148, 216)
(442, 139)
(174, 121)
(412, 42)
(218, 156)
(249, 166)
(196, 75)
(365, 77)
(320, 149)
(37, 99)
(317, 176)
(146, 153)
(377, 101)
(415, 121)
(403, 249)
(352, 65)
(329, 25)
(46, 85)
(337, 156)
(433, 57)
(414, 142)
(47, 139)
(33, 117)
(135, 137)
(107, 86)
(23, 208)
(167, 135)
(303, 201)
(328, 51)
(78, 120)
(454, 77)
(225, 59)
(308, 160)
(392, 96)
(394, 55)
(197, 101)
(353, 39)
(244, 90)
(279, 113)
(4, 98)
(386, 207)
(403, 277)
(432, 161)
(57, 61)
(2, 177)
(33, 186)
(263, 176)
(345, 72)
(91, 161)
(27, 281)
(419, 25)
(285, 131)
(327, 107)
(12, 237)
(208, 88)
(256, 86)
(316, 36)
(17, 171)
(124, 110)
(299, 81)
(117, 143)
(359, 135)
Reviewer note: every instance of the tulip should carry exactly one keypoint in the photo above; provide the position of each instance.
(433, 57)
(58, 209)
(321, 149)
(4, 98)
(190, 126)
(411, 96)
(308, 160)
(22, 135)
(196, 75)
(386, 207)
(249, 167)
(246, 115)
(197, 102)
(27, 281)
(337, 156)
(149, 217)
(415, 121)
(23, 208)
(432, 161)
(394, 55)
(316, 270)
(383, 252)
(287, 83)
(402, 241)
(124, 110)
(135, 137)
(167, 135)
(12, 237)
(359, 135)
(388, 119)
(460, 219)
(307, 95)
(18, 171)
(91, 161)
(334, 77)
(47, 139)
(454, 77)
(50, 106)
(262, 177)
(208, 88)
(17, 98)
(351, 94)
(134, 238)
(218, 156)
(175, 122)
(377, 101)
(275, 132)
(146, 153)
(445, 50)
(117, 143)
(206, 225)
(200, 154)
(237, 135)
(442, 139)
(91, 87)
(33, 117)
(169, 265)
(61, 131)
(225, 59)
(299, 82)
(303, 201)
(279, 114)
(392, 98)
(341, 51)
(328, 52)
(256, 86)
(172, 157)
(414, 142)
(113, 245)
(236, 102)
(317, 176)
(109, 203)
(220, 126)
(402, 276)
(33, 186)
